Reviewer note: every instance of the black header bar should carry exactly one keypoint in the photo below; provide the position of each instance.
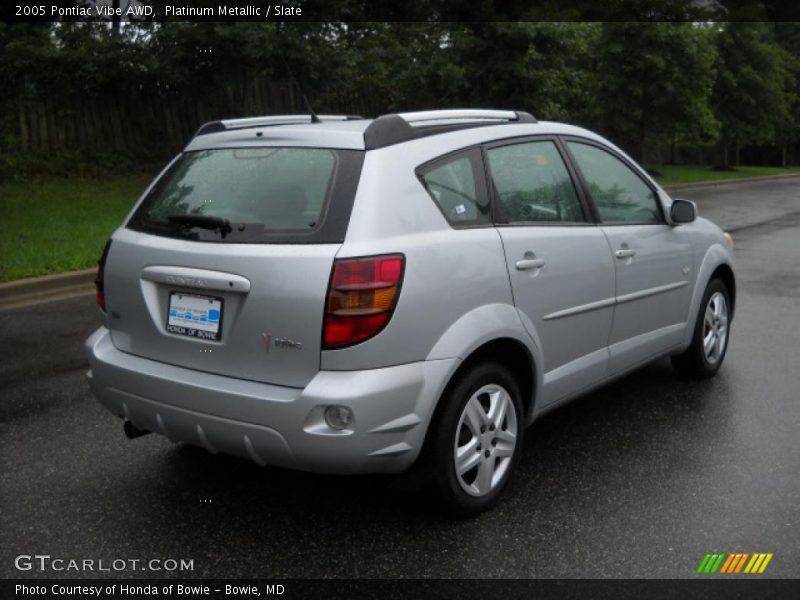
(392, 10)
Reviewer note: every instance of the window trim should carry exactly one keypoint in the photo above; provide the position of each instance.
(634, 168)
(498, 211)
(471, 153)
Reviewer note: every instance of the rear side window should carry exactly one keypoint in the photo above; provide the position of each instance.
(456, 185)
(533, 184)
(619, 194)
(247, 194)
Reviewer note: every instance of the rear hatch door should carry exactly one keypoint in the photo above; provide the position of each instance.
(224, 266)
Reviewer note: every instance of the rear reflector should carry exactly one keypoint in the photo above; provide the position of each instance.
(362, 294)
(98, 280)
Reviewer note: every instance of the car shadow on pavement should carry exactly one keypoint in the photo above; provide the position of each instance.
(619, 428)
(607, 459)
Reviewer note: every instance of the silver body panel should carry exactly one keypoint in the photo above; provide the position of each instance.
(653, 289)
(276, 290)
(584, 317)
(568, 301)
(272, 424)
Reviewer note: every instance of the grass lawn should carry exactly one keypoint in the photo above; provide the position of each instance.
(673, 174)
(60, 225)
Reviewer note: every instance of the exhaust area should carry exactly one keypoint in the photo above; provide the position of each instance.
(132, 432)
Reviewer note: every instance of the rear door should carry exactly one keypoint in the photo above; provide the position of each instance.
(225, 264)
(561, 271)
(653, 260)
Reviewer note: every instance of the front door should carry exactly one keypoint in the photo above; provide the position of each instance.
(653, 260)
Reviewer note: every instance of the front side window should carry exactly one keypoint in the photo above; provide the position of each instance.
(618, 192)
(533, 184)
(453, 185)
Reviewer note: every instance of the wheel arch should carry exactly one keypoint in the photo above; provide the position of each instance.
(724, 273)
(512, 354)
(494, 332)
(717, 262)
(508, 352)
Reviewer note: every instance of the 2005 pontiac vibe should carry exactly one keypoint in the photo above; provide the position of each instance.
(346, 295)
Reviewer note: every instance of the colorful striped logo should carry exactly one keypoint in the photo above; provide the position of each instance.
(737, 562)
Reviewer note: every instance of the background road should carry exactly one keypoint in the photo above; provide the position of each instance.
(639, 479)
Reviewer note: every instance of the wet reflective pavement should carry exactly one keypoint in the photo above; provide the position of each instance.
(638, 479)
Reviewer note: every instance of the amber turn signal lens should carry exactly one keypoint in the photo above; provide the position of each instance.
(361, 301)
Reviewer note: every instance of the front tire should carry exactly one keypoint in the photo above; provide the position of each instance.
(476, 440)
(709, 344)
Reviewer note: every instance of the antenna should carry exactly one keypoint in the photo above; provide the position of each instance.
(314, 117)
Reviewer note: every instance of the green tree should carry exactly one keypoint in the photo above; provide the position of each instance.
(787, 35)
(395, 66)
(652, 83)
(539, 67)
(751, 96)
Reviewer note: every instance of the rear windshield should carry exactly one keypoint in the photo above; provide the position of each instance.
(252, 195)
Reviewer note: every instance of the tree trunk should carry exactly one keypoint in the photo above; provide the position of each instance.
(738, 148)
(673, 151)
(784, 150)
(641, 143)
(724, 155)
(23, 127)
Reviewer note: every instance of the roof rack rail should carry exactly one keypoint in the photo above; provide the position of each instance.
(269, 120)
(468, 114)
(400, 127)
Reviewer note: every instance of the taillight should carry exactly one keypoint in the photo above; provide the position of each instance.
(98, 280)
(361, 297)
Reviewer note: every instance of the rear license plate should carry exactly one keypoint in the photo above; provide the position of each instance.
(195, 316)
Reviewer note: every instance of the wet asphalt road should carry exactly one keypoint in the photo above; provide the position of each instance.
(639, 479)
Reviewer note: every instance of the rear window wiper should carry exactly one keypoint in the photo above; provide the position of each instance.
(204, 222)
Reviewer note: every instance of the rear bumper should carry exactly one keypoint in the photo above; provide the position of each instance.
(271, 424)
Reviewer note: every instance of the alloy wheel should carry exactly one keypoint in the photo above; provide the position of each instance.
(715, 328)
(486, 438)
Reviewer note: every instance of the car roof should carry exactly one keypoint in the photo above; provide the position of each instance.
(327, 134)
(354, 133)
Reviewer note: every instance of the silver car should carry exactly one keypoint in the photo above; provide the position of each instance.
(344, 295)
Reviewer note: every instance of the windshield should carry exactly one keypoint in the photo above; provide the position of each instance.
(241, 194)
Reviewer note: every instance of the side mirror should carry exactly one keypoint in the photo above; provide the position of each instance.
(682, 211)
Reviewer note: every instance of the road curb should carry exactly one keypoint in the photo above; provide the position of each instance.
(719, 182)
(33, 290)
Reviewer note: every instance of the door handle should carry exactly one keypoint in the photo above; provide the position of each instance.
(527, 264)
(626, 253)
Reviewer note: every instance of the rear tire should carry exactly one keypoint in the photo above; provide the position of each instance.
(709, 344)
(475, 440)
